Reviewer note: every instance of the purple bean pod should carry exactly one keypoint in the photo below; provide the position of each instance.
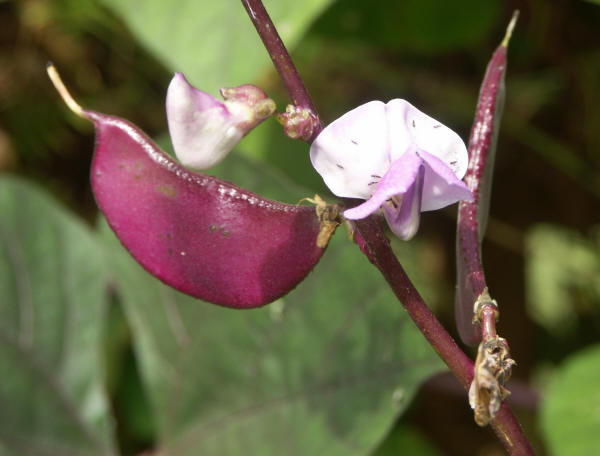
(201, 235)
(472, 216)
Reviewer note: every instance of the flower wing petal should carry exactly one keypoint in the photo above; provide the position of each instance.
(441, 187)
(353, 151)
(397, 181)
(408, 126)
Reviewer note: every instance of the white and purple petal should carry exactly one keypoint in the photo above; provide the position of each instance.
(441, 187)
(396, 158)
(395, 183)
(352, 153)
(203, 129)
(410, 127)
(404, 219)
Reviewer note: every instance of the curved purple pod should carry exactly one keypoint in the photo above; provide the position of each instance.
(472, 216)
(199, 234)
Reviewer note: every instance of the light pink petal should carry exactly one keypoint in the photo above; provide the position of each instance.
(410, 127)
(353, 151)
(441, 187)
(202, 129)
(397, 181)
(404, 219)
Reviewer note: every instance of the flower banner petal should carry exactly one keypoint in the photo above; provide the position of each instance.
(352, 151)
(410, 127)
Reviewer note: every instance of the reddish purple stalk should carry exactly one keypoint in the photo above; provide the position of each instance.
(282, 61)
(472, 216)
(376, 246)
(373, 242)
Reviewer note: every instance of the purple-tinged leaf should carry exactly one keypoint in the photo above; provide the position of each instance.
(472, 216)
(199, 234)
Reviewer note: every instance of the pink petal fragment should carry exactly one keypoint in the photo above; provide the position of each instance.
(404, 219)
(397, 181)
(202, 129)
(441, 187)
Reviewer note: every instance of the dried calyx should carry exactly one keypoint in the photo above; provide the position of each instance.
(493, 365)
(299, 122)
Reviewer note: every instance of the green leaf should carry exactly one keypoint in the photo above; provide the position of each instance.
(420, 26)
(52, 279)
(562, 273)
(269, 143)
(325, 370)
(570, 414)
(406, 440)
(213, 42)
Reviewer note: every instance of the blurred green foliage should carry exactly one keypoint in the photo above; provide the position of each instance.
(570, 416)
(563, 273)
(213, 43)
(119, 60)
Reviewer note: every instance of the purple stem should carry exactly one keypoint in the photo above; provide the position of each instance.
(281, 59)
(375, 245)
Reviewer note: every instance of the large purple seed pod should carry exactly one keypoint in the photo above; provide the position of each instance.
(199, 234)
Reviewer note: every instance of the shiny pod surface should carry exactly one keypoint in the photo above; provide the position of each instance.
(199, 234)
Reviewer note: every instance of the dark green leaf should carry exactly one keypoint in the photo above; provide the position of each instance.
(406, 440)
(423, 26)
(52, 279)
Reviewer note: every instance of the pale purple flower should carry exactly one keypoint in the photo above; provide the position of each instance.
(395, 157)
(203, 129)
